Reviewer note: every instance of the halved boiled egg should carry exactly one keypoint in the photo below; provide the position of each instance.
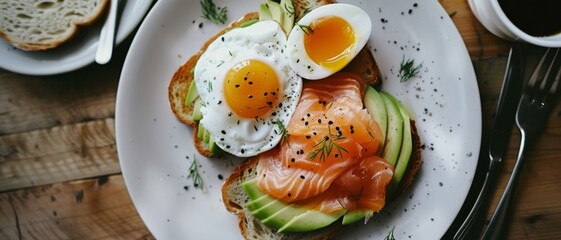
(326, 39)
(248, 89)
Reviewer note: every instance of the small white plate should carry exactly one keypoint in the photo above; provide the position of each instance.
(77, 53)
(156, 150)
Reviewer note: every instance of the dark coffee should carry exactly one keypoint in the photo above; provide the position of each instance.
(538, 18)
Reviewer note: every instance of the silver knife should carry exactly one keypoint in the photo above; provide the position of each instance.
(498, 141)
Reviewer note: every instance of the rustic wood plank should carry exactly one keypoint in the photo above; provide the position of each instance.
(39, 102)
(59, 154)
(97, 208)
(480, 43)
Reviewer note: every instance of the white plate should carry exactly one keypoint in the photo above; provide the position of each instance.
(78, 52)
(156, 150)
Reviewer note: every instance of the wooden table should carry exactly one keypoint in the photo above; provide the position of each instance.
(60, 175)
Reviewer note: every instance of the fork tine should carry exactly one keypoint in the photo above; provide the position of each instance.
(549, 77)
(539, 70)
(555, 84)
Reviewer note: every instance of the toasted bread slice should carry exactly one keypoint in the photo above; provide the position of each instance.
(235, 198)
(182, 78)
(41, 25)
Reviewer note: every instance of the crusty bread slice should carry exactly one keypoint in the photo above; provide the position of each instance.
(235, 198)
(182, 78)
(44, 24)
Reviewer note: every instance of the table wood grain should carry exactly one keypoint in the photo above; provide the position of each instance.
(60, 176)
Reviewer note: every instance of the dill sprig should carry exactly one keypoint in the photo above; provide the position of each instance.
(408, 70)
(283, 131)
(390, 234)
(326, 145)
(306, 29)
(212, 13)
(195, 175)
(289, 9)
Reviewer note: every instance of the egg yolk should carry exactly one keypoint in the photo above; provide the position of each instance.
(251, 88)
(328, 41)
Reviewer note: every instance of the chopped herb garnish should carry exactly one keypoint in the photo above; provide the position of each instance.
(408, 70)
(283, 131)
(213, 13)
(195, 175)
(306, 29)
(326, 145)
(306, 11)
(452, 14)
(390, 234)
(209, 88)
(289, 9)
(220, 64)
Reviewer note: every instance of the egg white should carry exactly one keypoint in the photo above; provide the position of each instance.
(264, 41)
(357, 18)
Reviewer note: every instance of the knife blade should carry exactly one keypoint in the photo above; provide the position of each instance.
(498, 141)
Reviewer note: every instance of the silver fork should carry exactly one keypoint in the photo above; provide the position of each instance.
(531, 117)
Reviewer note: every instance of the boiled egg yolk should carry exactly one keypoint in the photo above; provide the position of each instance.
(328, 41)
(251, 88)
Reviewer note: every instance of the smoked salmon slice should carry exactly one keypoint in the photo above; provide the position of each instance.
(328, 157)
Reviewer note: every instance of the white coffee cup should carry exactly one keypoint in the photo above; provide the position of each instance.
(491, 15)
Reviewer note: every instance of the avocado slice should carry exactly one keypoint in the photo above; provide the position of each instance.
(355, 215)
(259, 202)
(200, 132)
(276, 11)
(213, 147)
(311, 220)
(406, 149)
(197, 115)
(252, 190)
(264, 12)
(192, 94)
(395, 130)
(376, 107)
(289, 13)
(268, 209)
(285, 217)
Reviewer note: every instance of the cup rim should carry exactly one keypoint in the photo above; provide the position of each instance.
(540, 41)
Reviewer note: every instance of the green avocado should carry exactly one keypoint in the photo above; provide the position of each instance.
(259, 202)
(311, 220)
(264, 12)
(289, 13)
(213, 147)
(276, 11)
(282, 216)
(192, 94)
(200, 132)
(395, 130)
(406, 148)
(355, 215)
(197, 115)
(205, 137)
(376, 107)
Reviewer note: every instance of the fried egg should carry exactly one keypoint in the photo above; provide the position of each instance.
(326, 39)
(248, 89)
